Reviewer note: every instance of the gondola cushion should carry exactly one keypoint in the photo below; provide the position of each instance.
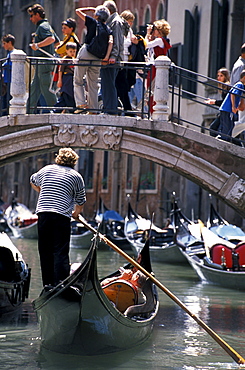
(122, 293)
(240, 249)
(221, 254)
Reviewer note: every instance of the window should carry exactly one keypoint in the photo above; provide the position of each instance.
(147, 16)
(129, 179)
(161, 10)
(175, 54)
(147, 175)
(16, 178)
(8, 8)
(135, 24)
(86, 167)
(190, 49)
(218, 36)
(105, 171)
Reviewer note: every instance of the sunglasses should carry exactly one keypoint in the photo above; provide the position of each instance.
(31, 15)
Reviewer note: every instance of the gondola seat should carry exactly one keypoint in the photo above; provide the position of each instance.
(158, 238)
(7, 265)
(220, 252)
(146, 308)
(240, 249)
(122, 293)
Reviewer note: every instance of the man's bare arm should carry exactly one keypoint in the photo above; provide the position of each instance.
(37, 188)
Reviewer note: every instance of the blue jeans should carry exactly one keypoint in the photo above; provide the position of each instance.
(136, 91)
(108, 89)
(226, 124)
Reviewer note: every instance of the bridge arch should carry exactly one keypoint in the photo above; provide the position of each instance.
(49, 133)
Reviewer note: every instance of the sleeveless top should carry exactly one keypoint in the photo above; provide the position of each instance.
(162, 51)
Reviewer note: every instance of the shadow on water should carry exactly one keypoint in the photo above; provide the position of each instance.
(20, 318)
(51, 360)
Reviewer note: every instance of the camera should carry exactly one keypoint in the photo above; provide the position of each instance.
(153, 27)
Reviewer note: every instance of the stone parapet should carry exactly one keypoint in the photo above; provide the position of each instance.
(18, 86)
(161, 92)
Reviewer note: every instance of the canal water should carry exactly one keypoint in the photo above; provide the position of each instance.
(177, 341)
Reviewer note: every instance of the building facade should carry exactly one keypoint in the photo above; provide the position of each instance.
(205, 35)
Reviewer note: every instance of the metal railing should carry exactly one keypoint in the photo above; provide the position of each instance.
(183, 86)
(4, 91)
(141, 108)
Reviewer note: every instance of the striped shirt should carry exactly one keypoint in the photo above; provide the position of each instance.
(61, 188)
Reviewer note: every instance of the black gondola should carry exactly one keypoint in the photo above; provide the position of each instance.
(218, 225)
(166, 243)
(77, 317)
(14, 277)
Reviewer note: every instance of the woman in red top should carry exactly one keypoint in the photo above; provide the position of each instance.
(157, 44)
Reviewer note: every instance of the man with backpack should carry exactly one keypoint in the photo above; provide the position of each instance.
(108, 74)
(97, 47)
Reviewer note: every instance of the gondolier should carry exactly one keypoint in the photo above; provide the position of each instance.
(61, 195)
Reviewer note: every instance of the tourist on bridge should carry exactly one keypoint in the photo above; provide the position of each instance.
(65, 80)
(237, 68)
(126, 77)
(229, 108)
(157, 43)
(95, 49)
(8, 44)
(61, 195)
(44, 38)
(223, 78)
(68, 30)
(108, 74)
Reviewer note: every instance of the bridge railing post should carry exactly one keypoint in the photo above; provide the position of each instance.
(161, 92)
(18, 86)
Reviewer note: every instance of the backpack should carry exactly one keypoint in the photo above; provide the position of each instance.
(137, 51)
(99, 44)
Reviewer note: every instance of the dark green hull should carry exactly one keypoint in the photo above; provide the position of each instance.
(84, 321)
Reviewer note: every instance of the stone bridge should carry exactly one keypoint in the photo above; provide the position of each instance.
(215, 165)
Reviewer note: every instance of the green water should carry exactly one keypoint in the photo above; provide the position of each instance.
(177, 341)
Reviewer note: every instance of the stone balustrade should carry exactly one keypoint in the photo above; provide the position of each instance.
(18, 86)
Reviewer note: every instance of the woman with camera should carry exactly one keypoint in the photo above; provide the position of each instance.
(157, 44)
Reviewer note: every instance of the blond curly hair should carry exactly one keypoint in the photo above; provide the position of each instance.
(67, 157)
(163, 27)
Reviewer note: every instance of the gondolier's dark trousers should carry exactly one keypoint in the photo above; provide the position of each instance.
(53, 245)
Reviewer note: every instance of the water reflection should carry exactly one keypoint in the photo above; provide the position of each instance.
(177, 341)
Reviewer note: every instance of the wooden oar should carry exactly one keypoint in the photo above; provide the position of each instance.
(238, 358)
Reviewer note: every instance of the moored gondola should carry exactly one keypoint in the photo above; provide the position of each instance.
(165, 244)
(111, 224)
(187, 233)
(80, 236)
(14, 277)
(77, 317)
(218, 225)
(21, 221)
(223, 263)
